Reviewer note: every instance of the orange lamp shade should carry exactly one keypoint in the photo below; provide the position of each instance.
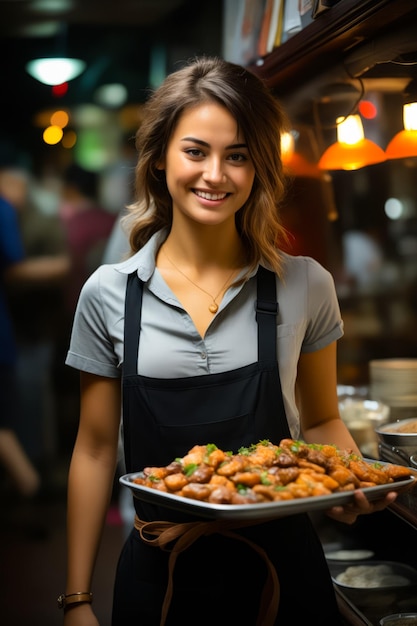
(299, 166)
(296, 164)
(351, 150)
(402, 145)
(344, 156)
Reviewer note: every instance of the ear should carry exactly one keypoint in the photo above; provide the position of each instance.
(160, 165)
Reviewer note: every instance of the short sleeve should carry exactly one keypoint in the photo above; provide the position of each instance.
(97, 327)
(324, 322)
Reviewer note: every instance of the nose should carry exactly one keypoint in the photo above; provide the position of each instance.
(213, 172)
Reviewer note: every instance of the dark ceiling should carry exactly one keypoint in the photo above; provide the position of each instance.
(117, 38)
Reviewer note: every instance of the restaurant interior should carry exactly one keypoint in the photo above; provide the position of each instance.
(353, 209)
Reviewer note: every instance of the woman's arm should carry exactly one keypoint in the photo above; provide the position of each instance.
(90, 484)
(316, 391)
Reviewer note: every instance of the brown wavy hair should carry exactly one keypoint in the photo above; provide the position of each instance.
(261, 120)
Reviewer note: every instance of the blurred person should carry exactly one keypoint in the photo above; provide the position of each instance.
(15, 267)
(87, 226)
(117, 247)
(116, 192)
(39, 329)
(160, 334)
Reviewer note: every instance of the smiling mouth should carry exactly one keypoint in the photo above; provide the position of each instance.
(210, 196)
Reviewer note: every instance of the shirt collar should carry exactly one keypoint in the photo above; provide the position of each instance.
(143, 261)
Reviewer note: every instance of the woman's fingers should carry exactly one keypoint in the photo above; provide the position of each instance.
(360, 506)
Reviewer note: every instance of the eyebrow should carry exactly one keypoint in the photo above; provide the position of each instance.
(233, 146)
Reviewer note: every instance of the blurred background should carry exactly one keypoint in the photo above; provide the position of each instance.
(127, 45)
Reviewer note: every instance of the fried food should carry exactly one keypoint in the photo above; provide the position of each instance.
(265, 472)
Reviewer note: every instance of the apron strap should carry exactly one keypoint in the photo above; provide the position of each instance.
(133, 313)
(266, 314)
(162, 534)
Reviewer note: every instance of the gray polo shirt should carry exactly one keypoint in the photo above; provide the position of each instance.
(170, 346)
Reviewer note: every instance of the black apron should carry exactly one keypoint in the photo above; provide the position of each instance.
(217, 580)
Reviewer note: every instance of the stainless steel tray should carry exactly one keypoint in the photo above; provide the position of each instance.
(262, 511)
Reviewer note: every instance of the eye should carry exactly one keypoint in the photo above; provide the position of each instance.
(238, 157)
(194, 152)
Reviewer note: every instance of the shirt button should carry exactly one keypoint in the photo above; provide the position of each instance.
(203, 355)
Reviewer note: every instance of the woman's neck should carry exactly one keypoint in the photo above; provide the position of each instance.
(205, 246)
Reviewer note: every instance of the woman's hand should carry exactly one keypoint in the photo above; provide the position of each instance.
(360, 506)
(80, 615)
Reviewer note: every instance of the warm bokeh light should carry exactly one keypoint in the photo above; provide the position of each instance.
(287, 146)
(410, 116)
(52, 135)
(42, 119)
(367, 109)
(130, 116)
(349, 129)
(60, 90)
(69, 139)
(59, 118)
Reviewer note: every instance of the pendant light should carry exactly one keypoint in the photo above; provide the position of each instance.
(352, 150)
(56, 70)
(296, 164)
(404, 143)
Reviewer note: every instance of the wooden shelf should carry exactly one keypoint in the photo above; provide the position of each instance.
(330, 38)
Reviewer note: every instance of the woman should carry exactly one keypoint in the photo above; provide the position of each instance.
(186, 322)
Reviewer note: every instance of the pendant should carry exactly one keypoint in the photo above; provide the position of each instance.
(213, 308)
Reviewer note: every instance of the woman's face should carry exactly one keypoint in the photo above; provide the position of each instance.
(209, 172)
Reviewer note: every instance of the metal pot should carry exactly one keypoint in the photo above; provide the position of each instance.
(392, 454)
(396, 445)
(399, 619)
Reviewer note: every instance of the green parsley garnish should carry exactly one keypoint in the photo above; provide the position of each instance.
(189, 469)
(265, 478)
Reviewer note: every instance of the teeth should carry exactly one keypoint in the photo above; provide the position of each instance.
(210, 196)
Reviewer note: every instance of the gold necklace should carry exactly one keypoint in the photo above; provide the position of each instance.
(214, 307)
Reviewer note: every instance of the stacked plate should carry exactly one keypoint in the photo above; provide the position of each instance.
(394, 382)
